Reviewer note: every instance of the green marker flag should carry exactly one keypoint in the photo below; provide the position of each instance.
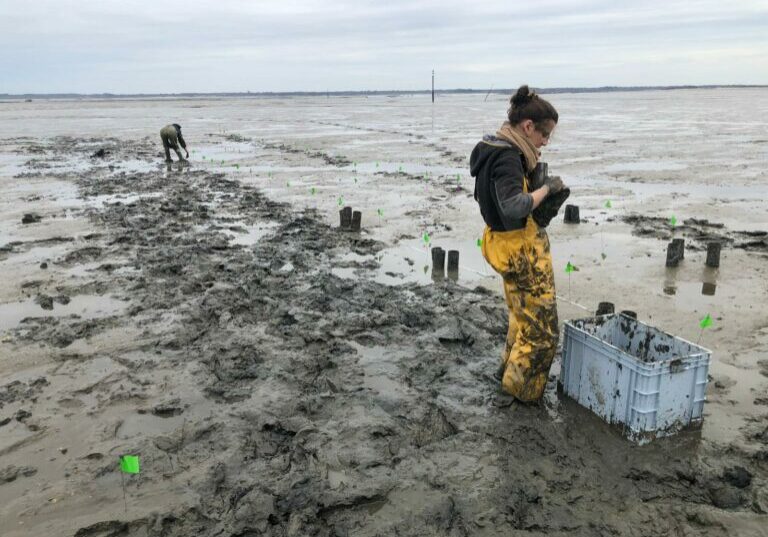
(705, 322)
(380, 212)
(237, 166)
(458, 178)
(673, 221)
(377, 164)
(425, 237)
(341, 201)
(400, 169)
(203, 157)
(288, 184)
(608, 204)
(313, 191)
(129, 464)
(569, 268)
(479, 243)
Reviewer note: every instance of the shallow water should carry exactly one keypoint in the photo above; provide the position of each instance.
(82, 306)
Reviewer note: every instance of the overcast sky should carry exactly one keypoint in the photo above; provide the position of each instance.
(166, 46)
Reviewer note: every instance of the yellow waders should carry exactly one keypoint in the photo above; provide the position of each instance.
(523, 259)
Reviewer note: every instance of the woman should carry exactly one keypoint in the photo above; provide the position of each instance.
(514, 245)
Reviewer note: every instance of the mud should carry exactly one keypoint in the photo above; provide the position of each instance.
(266, 395)
(699, 231)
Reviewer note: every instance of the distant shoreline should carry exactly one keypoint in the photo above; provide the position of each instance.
(377, 93)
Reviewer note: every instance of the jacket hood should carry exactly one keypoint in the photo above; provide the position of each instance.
(484, 149)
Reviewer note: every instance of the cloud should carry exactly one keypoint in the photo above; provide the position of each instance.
(174, 46)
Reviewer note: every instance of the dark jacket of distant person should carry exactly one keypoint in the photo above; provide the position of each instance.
(172, 138)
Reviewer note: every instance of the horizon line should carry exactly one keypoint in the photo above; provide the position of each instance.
(505, 91)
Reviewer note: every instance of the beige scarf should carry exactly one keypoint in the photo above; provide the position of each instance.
(531, 154)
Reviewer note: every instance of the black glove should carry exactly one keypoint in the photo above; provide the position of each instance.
(547, 209)
(554, 183)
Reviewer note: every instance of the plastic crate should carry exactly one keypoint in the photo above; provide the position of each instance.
(649, 383)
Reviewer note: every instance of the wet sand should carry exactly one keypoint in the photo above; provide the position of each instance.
(278, 376)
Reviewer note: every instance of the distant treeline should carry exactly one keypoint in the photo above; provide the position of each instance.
(391, 93)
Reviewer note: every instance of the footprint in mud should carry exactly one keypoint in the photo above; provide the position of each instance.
(434, 426)
(168, 409)
(83, 255)
(11, 473)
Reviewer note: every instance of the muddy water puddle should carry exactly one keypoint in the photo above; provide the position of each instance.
(34, 254)
(141, 425)
(125, 199)
(697, 292)
(83, 306)
(252, 233)
(382, 372)
(88, 270)
(732, 395)
(410, 261)
(239, 233)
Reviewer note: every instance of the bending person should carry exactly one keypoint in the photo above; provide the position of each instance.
(172, 138)
(515, 245)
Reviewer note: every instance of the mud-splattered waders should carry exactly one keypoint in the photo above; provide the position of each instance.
(523, 259)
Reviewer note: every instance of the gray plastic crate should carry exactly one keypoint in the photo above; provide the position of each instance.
(646, 381)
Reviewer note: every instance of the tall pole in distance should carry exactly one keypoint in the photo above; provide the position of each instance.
(433, 85)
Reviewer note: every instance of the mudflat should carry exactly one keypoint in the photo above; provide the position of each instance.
(279, 376)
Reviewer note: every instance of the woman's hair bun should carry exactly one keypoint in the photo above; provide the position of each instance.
(523, 96)
(526, 104)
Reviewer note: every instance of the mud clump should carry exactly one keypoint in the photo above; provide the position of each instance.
(738, 476)
(21, 391)
(31, 218)
(699, 231)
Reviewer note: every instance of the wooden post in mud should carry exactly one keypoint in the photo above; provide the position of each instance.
(345, 216)
(453, 264)
(438, 259)
(487, 94)
(680, 247)
(433, 85)
(572, 214)
(713, 254)
(672, 257)
(438, 264)
(675, 252)
(357, 219)
(605, 308)
(629, 313)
